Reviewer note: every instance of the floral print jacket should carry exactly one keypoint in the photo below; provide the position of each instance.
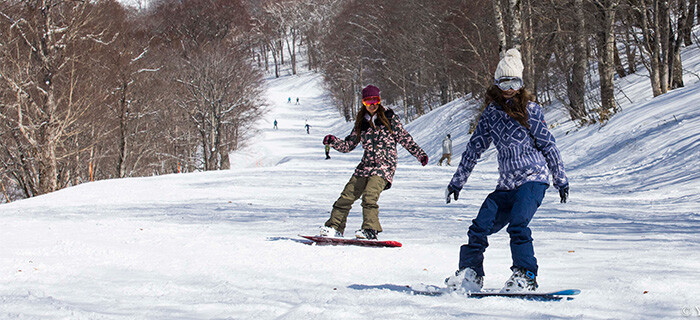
(379, 143)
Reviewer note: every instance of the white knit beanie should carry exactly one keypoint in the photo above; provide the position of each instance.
(510, 66)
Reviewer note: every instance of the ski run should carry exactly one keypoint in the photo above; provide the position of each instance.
(225, 244)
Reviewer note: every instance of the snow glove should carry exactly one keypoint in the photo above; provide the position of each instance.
(451, 191)
(329, 139)
(423, 159)
(564, 194)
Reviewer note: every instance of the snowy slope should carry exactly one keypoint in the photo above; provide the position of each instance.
(224, 245)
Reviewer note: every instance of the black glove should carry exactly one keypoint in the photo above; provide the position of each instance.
(451, 190)
(564, 194)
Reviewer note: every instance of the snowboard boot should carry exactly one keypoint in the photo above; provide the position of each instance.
(329, 232)
(465, 279)
(366, 234)
(521, 281)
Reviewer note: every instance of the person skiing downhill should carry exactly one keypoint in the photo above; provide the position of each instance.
(379, 130)
(527, 153)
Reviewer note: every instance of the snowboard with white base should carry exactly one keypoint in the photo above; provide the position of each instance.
(432, 290)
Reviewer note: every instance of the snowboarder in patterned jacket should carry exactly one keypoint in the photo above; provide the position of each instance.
(527, 154)
(379, 130)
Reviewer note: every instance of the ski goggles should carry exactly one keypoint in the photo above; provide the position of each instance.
(370, 101)
(508, 83)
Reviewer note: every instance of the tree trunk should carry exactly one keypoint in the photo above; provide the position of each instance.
(529, 61)
(676, 68)
(631, 53)
(265, 57)
(515, 17)
(606, 60)
(666, 56)
(280, 46)
(294, 52)
(652, 46)
(205, 147)
(677, 71)
(123, 128)
(274, 58)
(310, 56)
(290, 50)
(500, 28)
(578, 81)
(689, 23)
(48, 167)
(619, 68)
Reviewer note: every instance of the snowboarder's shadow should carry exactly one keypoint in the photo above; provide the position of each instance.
(386, 286)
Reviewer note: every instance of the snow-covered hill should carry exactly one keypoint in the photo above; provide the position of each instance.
(224, 245)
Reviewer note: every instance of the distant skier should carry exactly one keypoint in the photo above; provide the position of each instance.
(328, 149)
(297, 100)
(275, 125)
(446, 150)
(378, 129)
(289, 100)
(307, 126)
(527, 153)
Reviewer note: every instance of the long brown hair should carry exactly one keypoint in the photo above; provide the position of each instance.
(361, 117)
(516, 109)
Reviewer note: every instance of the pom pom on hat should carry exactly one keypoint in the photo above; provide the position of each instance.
(510, 66)
(370, 91)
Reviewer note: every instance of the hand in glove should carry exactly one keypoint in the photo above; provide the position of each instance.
(329, 139)
(564, 194)
(423, 159)
(451, 190)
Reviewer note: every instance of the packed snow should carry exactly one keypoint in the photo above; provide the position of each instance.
(225, 244)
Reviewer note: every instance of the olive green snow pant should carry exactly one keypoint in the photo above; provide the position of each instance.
(367, 187)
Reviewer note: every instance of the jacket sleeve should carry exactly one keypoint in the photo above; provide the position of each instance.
(545, 142)
(478, 143)
(348, 144)
(404, 138)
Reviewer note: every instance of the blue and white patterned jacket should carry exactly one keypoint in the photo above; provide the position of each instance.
(522, 156)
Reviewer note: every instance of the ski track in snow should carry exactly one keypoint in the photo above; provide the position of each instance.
(224, 245)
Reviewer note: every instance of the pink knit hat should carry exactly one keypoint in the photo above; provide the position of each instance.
(370, 91)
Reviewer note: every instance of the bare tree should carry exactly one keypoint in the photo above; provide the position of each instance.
(44, 58)
(220, 93)
(500, 27)
(515, 18)
(128, 68)
(578, 77)
(605, 39)
(675, 42)
(216, 88)
(686, 30)
(661, 43)
(287, 16)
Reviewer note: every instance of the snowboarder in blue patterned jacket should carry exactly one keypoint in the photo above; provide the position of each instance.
(527, 154)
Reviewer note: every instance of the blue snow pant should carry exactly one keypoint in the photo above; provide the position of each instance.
(514, 208)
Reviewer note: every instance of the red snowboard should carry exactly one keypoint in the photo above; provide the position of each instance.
(351, 241)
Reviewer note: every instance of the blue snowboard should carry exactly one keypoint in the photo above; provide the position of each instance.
(431, 290)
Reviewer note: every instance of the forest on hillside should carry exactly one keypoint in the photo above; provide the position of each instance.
(94, 90)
